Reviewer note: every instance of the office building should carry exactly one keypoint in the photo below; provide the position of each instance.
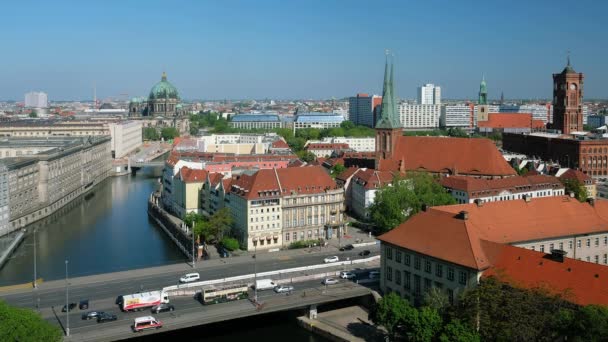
(362, 109)
(317, 120)
(429, 94)
(256, 121)
(459, 115)
(36, 100)
(419, 116)
(126, 137)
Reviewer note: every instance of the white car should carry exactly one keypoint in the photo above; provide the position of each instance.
(374, 274)
(283, 288)
(190, 277)
(331, 259)
(347, 275)
(330, 281)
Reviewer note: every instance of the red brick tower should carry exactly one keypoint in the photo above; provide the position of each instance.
(568, 100)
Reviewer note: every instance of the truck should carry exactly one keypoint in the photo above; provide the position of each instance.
(264, 284)
(143, 300)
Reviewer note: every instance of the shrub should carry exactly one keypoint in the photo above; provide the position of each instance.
(303, 244)
(230, 244)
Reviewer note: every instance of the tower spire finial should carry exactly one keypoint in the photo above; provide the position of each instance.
(568, 53)
(164, 76)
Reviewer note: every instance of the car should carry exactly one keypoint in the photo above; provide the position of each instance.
(119, 300)
(190, 277)
(70, 307)
(283, 288)
(147, 322)
(347, 275)
(162, 308)
(330, 281)
(365, 252)
(92, 314)
(106, 317)
(331, 259)
(347, 248)
(84, 304)
(374, 274)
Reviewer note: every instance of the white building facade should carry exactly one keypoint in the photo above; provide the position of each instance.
(429, 94)
(416, 116)
(126, 137)
(36, 99)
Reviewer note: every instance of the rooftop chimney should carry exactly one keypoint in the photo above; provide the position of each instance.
(591, 201)
(425, 207)
(463, 215)
(479, 202)
(572, 194)
(558, 255)
(527, 198)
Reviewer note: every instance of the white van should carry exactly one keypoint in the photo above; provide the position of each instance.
(190, 277)
(146, 322)
(374, 275)
(264, 284)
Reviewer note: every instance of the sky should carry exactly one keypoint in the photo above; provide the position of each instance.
(313, 49)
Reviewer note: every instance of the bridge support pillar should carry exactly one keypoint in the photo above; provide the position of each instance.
(312, 311)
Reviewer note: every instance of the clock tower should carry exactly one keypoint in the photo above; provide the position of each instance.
(568, 100)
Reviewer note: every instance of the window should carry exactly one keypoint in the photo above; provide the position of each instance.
(417, 262)
(406, 259)
(451, 296)
(463, 278)
(389, 273)
(597, 259)
(542, 248)
(569, 244)
(578, 243)
(416, 284)
(389, 253)
(597, 241)
(450, 273)
(427, 266)
(427, 284)
(398, 256)
(561, 246)
(398, 278)
(551, 247)
(605, 240)
(406, 280)
(533, 248)
(439, 270)
(286, 236)
(295, 236)
(588, 243)
(588, 259)
(605, 259)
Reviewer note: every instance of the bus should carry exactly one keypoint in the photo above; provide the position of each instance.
(212, 294)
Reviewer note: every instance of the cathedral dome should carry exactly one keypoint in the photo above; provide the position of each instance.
(163, 90)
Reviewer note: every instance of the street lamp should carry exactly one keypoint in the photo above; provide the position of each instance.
(255, 273)
(193, 257)
(67, 305)
(35, 285)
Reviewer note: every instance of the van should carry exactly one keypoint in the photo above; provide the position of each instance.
(190, 277)
(147, 322)
(264, 284)
(374, 275)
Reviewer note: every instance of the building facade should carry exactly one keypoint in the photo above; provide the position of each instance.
(256, 121)
(419, 116)
(36, 99)
(126, 137)
(317, 120)
(429, 94)
(355, 144)
(568, 100)
(362, 109)
(459, 115)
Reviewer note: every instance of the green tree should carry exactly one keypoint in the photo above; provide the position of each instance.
(336, 170)
(405, 197)
(573, 185)
(150, 133)
(389, 312)
(347, 125)
(219, 224)
(168, 133)
(286, 133)
(296, 144)
(437, 299)
(591, 323)
(457, 132)
(231, 244)
(306, 156)
(17, 324)
(457, 331)
(422, 325)
(33, 114)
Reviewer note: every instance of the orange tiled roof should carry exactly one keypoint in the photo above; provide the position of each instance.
(578, 175)
(373, 179)
(189, 175)
(581, 282)
(456, 155)
(507, 120)
(279, 143)
(492, 186)
(346, 174)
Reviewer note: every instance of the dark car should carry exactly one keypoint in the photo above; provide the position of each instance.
(162, 308)
(365, 253)
(119, 300)
(347, 248)
(84, 304)
(106, 317)
(70, 307)
(92, 314)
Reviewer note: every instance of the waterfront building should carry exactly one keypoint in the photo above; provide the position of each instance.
(412, 264)
(419, 116)
(186, 191)
(256, 121)
(429, 94)
(51, 172)
(362, 109)
(126, 137)
(317, 120)
(52, 128)
(4, 199)
(470, 189)
(36, 99)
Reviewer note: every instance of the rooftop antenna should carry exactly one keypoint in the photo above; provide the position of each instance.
(94, 96)
(568, 54)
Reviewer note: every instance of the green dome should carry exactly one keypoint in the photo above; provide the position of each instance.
(163, 90)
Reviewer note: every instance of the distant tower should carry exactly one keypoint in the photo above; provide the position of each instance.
(388, 129)
(568, 100)
(482, 108)
(502, 98)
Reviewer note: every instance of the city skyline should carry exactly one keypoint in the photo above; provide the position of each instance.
(289, 51)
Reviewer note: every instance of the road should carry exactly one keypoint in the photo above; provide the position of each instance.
(101, 290)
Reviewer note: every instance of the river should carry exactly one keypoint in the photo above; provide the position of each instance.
(106, 231)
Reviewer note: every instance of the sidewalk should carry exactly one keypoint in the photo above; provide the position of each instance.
(347, 324)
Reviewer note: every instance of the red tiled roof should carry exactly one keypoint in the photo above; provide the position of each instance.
(215, 178)
(373, 179)
(189, 175)
(346, 174)
(578, 175)
(507, 120)
(327, 146)
(581, 282)
(515, 184)
(456, 155)
(279, 143)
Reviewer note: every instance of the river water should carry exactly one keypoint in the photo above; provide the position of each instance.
(106, 231)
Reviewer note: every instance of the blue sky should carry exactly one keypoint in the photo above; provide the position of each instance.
(298, 49)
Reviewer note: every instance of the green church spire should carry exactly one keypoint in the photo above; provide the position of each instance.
(483, 92)
(388, 117)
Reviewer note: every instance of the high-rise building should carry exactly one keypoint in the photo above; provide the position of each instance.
(568, 100)
(413, 116)
(362, 109)
(36, 99)
(429, 94)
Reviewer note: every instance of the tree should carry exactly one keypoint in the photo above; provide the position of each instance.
(231, 244)
(347, 125)
(422, 325)
(437, 299)
(306, 156)
(150, 133)
(219, 224)
(573, 185)
(390, 312)
(457, 331)
(168, 133)
(396, 202)
(591, 323)
(337, 169)
(457, 132)
(33, 114)
(17, 324)
(286, 133)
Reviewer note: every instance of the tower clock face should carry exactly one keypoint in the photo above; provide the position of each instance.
(572, 86)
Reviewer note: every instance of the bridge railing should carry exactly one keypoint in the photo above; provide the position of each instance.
(192, 288)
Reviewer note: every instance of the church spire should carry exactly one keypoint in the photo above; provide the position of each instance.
(164, 76)
(387, 114)
(483, 91)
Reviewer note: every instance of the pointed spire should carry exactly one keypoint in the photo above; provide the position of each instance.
(164, 77)
(387, 115)
(568, 58)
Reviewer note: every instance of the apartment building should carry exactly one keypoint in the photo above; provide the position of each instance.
(365, 184)
(321, 150)
(429, 94)
(127, 136)
(355, 144)
(419, 116)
